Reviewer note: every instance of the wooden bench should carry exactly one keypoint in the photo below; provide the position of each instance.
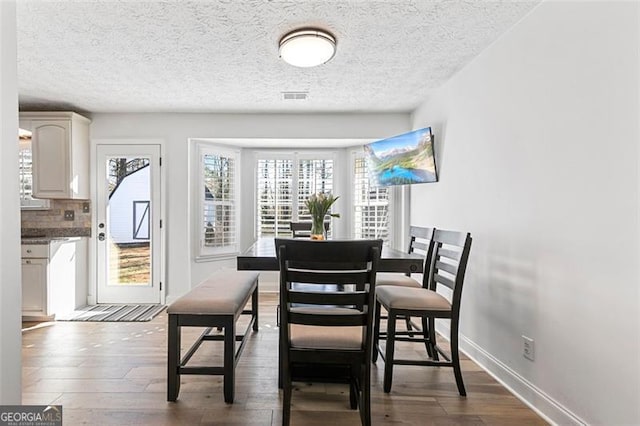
(216, 302)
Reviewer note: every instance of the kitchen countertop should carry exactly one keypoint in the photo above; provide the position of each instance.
(47, 235)
(47, 240)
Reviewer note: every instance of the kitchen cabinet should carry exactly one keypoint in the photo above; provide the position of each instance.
(34, 280)
(54, 279)
(60, 148)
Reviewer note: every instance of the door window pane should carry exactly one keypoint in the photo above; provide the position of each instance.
(128, 221)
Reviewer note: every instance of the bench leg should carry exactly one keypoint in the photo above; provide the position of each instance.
(254, 308)
(173, 359)
(229, 359)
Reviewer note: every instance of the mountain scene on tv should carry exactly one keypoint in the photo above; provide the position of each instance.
(403, 159)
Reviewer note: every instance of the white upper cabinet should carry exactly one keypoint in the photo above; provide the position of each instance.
(60, 146)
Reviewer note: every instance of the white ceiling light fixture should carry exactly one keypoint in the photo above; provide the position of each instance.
(308, 47)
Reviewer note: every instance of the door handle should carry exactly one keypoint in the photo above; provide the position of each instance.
(101, 236)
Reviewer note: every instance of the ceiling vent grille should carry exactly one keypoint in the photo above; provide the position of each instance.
(295, 96)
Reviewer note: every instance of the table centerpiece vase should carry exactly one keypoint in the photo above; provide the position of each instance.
(318, 206)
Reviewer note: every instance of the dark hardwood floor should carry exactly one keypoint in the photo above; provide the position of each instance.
(115, 374)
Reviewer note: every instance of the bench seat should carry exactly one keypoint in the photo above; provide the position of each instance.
(216, 302)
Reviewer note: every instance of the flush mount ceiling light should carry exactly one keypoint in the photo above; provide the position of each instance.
(307, 47)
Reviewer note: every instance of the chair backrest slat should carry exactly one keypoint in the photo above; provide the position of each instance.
(450, 254)
(442, 266)
(453, 238)
(320, 264)
(444, 280)
(313, 277)
(420, 246)
(328, 297)
(318, 256)
(333, 320)
(421, 232)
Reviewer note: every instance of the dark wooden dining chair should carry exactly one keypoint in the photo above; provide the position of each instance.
(303, 229)
(419, 243)
(450, 254)
(327, 329)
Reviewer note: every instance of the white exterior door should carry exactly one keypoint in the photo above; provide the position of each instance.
(128, 229)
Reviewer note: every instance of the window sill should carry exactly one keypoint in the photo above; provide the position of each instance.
(215, 257)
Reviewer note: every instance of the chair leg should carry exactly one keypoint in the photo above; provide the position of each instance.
(355, 384)
(173, 359)
(280, 355)
(365, 397)
(286, 400)
(388, 355)
(432, 339)
(426, 334)
(455, 359)
(376, 332)
(353, 393)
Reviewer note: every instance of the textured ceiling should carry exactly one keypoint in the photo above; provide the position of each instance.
(222, 56)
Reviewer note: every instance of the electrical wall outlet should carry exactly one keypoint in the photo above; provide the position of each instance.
(69, 215)
(86, 208)
(528, 348)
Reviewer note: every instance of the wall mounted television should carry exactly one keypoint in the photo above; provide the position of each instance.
(403, 159)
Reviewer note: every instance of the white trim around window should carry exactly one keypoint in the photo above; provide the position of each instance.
(215, 189)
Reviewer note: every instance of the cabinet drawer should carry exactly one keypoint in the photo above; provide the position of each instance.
(35, 250)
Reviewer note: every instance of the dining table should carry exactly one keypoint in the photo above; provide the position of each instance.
(261, 256)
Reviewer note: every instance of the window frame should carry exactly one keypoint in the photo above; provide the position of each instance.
(146, 214)
(202, 252)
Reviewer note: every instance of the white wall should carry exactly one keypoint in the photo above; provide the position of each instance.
(537, 146)
(10, 273)
(176, 129)
(134, 187)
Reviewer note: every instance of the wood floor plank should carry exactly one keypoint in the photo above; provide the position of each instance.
(40, 398)
(83, 372)
(164, 417)
(115, 373)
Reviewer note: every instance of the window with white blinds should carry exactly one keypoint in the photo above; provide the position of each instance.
(371, 204)
(284, 182)
(25, 167)
(219, 199)
(275, 196)
(314, 176)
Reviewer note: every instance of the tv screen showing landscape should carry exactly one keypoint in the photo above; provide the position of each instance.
(404, 159)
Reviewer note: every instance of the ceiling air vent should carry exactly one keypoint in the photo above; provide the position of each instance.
(295, 96)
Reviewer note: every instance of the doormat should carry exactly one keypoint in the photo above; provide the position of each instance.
(113, 313)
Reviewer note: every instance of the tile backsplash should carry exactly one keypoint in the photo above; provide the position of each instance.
(54, 218)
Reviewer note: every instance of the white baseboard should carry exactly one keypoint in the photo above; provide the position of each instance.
(170, 299)
(536, 399)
